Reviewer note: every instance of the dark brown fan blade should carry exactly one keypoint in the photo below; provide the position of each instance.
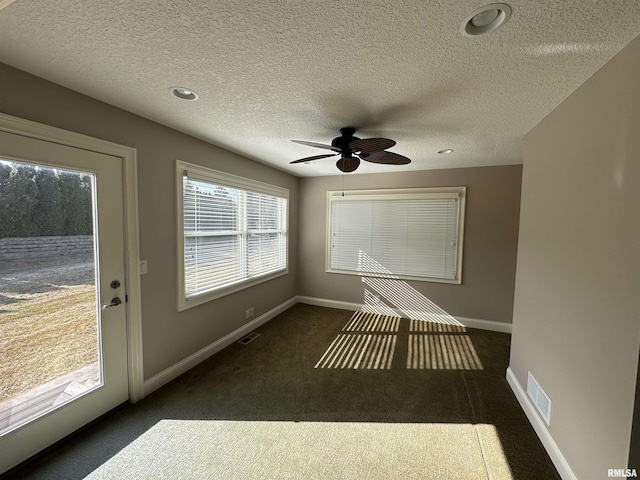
(317, 145)
(348, 164)
(316, 157)
(385, 157)
(369, 145)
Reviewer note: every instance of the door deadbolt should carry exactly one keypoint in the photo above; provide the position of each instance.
(115, 284)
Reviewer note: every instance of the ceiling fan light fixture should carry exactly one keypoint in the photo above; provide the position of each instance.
(183, 93)
(485, 19)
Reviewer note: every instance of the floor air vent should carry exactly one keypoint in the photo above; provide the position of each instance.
(249, 338)
(539, 398)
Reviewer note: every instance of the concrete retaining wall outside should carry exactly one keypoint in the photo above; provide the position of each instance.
(34, 247)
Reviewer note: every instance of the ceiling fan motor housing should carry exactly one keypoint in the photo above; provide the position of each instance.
(343, 142)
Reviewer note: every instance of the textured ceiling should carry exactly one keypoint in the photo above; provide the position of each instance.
(274, 70)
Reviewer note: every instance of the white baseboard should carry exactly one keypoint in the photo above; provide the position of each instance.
(191, 361)
(484, 324)
(561, 464)
(323, 302)
(466, 321)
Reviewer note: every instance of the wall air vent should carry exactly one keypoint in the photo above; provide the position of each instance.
(249, 338)
(539, 398)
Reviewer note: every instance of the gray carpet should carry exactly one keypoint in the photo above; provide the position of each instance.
(322, 394)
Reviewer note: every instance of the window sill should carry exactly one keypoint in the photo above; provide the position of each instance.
(204, 297)
(388, 276)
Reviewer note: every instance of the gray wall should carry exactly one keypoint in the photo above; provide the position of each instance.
(168, 336)
(576, 320)
(490, 243)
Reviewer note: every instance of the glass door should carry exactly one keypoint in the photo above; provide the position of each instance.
(62, 294)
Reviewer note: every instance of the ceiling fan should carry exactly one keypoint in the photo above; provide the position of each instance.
(368, 149)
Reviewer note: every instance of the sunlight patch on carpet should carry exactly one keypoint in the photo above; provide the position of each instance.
(371, 322)
(369, 342)
(359, 351)
(442, 352)
(201, 449)
(495, 460)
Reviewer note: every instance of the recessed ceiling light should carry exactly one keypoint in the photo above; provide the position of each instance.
(485, 19)
(447, 150)
(183, 93)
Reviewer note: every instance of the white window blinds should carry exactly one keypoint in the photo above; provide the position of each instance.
(407, 233)
(230, 234)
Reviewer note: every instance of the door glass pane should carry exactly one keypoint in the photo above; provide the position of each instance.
(49, 335)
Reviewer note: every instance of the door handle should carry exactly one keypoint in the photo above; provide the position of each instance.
(115, 301)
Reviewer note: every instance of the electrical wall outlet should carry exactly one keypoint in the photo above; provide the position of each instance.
(248, 313)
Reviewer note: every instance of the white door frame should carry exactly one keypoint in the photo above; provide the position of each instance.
(39, 131)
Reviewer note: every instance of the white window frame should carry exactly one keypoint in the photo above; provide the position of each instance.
(402, 193)
(215, 177)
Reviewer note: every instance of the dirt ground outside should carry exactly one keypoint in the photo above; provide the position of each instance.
(48, 324)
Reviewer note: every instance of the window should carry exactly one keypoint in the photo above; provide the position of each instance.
(413, 234)
(232, 233)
